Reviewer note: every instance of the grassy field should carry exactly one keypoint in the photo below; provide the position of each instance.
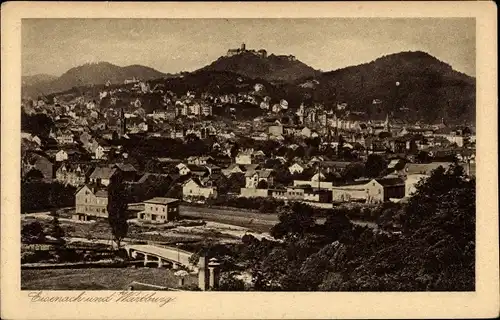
(98, 278)
(230, 212)
(252, 221)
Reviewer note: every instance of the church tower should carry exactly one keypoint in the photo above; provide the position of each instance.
(387, 126)
(121, 124)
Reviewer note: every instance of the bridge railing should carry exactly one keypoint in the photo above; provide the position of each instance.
(166, 246)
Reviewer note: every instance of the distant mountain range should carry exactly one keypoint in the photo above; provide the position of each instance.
(409, 85)
(86, 75)
(37, 79)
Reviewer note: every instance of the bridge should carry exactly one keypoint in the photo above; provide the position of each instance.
(160, 255)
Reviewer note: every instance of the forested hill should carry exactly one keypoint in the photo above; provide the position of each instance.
(272, 67)
(411, 85)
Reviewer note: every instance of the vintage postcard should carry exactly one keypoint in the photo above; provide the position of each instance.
(249, 160)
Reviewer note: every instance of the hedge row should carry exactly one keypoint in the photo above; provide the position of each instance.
(263, 205)
(43, 196)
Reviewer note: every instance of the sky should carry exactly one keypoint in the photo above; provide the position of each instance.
(52, 46)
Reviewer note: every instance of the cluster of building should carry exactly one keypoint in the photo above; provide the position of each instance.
(79, 148)
(398, 182)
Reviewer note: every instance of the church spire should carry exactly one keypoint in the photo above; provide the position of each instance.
(387, 126)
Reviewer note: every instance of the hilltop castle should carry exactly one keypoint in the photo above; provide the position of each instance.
(261, 53)
(232, 52)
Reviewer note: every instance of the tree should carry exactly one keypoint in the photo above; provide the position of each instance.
(336, 225)
(437, 252)
(153, 166)
(38, 124)
(194, 259)
(117, 209)
(190, 138)
(295, 220)
(229, 282)
(353, 171)
(262, 184)
(234, 151)
(175, 191)
(423, 157)
(55, 230)
(34, 175)
(375, 165)
(32, 233)
(235, 182)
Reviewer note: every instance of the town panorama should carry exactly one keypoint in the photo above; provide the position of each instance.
(256, 172)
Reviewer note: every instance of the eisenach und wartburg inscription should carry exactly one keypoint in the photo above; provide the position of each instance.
(330, 154)
(114, 297)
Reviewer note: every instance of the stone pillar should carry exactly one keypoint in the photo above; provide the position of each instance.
(145, 260)
(175, 266)
(203, 275)
(160, 263)
(214, 267)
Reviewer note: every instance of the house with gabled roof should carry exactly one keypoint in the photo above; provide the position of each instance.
(75, 174)
(183, 169)
(102, 175)
(194, 188)
(244, 157)
(91, 201)
(231, 169)
(296, 168)
(253, 177)
(384, 189)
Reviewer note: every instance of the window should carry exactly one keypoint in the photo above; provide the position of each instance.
(379, 191)
(103, 210)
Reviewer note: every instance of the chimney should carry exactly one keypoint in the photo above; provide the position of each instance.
(203, 274)
(243, 47)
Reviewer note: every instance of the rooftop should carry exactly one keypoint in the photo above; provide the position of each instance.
(161, 200)
(102, 173)
(388, 182)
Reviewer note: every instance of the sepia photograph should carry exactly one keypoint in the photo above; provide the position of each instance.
(270, 154)
(254, 154)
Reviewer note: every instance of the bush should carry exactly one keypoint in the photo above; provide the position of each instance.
(190, 287)
(68, 255)
(228, 282)
(33, 232)
(194, 259)
(36, 256)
